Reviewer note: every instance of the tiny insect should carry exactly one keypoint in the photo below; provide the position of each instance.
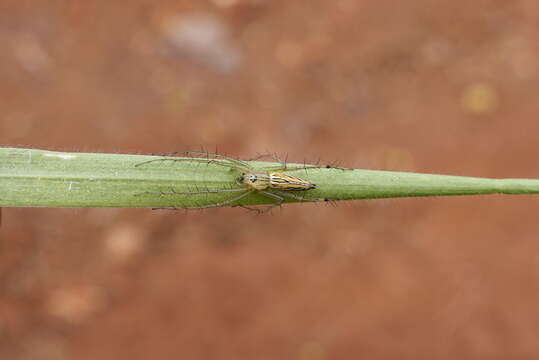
(270, 181)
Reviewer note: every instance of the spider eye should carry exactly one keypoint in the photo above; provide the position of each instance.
(252, 178)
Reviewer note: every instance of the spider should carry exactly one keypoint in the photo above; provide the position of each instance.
(268, 181)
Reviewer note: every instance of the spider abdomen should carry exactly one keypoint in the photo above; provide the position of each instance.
(286, 182)
(280, 181)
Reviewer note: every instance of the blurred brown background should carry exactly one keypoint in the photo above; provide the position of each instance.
(428, 86)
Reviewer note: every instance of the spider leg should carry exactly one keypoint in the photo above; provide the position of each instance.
(274, 157)
(250, 208)
(259, 156)
(265, 209)
(218, 156)
(207, 161)
(222, 203)
(197, 192)
(305, 167)
(298, 197)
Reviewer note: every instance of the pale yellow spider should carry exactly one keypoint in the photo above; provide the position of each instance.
(271, 182)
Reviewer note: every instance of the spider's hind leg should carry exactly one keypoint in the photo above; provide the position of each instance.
(299, 197)
(215, 204)
(266, 208)
(280, 197)
(196, 191)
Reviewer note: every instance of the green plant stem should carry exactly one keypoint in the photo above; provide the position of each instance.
(30, 177)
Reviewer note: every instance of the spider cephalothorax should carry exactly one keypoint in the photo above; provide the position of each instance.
(256, 180)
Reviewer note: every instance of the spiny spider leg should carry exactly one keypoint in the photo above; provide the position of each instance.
(298, 197)
(279, 196)
(304, 167)
(222, 203)
(173, 192)
(274, 157)
(280, 199)
(208, 161)
(209, 156)
(283, 166)
(261, 156)
(265, 209)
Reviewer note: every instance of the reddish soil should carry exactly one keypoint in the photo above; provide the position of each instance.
(427, 86)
